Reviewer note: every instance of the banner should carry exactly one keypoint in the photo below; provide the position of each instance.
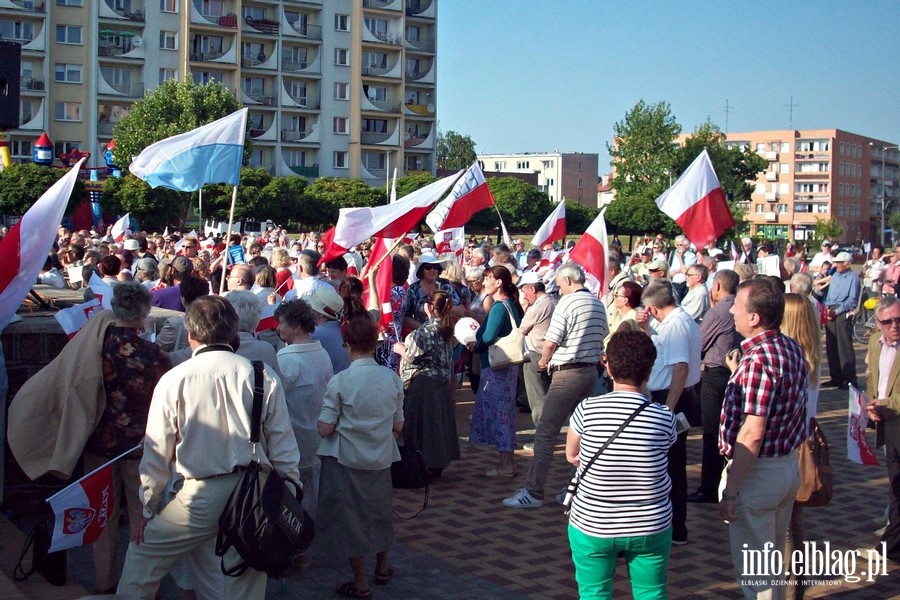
(858, 449)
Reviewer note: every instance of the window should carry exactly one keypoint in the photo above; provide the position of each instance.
(499, 166)
(375, 93)
(413, 33)
(760, 147)
(785, 146)
(297, 91)
(68, 34)
(783, 189)
(340, 160)
(295, 158)
(168, 6)
(202, 77)
(254, 86)
(341, 57)
(17, 30)
(784, 168)
(760, 188)
(68, 111)
(168, 40)
(522, 164)
(782, 209)
(70, 2)
(341, 22)
(760, 208)
(374, 60)
(374, 125)
(340, 125)
(66, 73)
(580, 167)
(21, 148)
(27, 111)
(167, 74)
(65, 147)
(212, 8)
(580, 185)
(341, 91)
(378, 27)
(373, 161)
(253, 13)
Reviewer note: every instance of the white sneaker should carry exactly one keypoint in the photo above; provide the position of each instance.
(522, 499)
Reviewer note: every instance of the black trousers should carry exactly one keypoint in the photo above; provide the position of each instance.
(678, 465)
(713, 382)
(839, 350)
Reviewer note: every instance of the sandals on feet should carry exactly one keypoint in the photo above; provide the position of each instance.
(349, 590)
(384, 578)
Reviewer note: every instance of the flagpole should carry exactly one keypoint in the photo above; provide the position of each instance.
(228, 234)
(83, 477)
(200, 209)
(387, 254)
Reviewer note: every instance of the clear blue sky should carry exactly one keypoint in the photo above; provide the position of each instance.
(529, 76)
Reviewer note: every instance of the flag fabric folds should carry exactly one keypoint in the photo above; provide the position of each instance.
(72, 319)
(858, 448)
(27, 244)
(554, 228)
(267, 320)
(450, 241)
(102, 291)
(356, 225)
(121, 228)
(592, 251)
(506, 239)
(81, 511)
(383, 279)
(696, 202)
(186, 162)
(469, 195)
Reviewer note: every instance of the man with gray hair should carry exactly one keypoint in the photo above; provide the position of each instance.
(573, 345)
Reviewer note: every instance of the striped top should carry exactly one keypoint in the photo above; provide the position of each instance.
(626, 491)
(578, 327)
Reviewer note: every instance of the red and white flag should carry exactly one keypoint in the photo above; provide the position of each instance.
(592, 252)
(356, 225)
(858, 448)
(450, 241)
(24, 249)
(696, 202)
(469, 195)
(506, 239)
(384, 279)
(192, 235)
(82, 510)
(121, 228)
(267, 320)
(102, 291)
(554, 228)
(72, 319)
(735, 255)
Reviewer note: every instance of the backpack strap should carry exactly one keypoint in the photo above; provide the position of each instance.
(256, 412)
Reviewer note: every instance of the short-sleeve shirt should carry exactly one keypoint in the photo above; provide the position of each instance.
(677, 340)
(578, 327)
(770, 381)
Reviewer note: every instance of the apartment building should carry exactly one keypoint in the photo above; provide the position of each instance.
(338, 88)
(569, 175)
(819, 174)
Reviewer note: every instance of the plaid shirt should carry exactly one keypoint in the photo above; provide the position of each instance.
(770, 381)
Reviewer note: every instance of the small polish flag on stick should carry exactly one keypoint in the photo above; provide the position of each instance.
(72, 319)
(121, 228)
(267, 320)
(696, 202)
(554, 228)
(858, 448)
(592, 251)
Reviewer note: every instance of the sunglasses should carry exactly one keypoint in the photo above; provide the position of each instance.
(889, 322)
(427, 267)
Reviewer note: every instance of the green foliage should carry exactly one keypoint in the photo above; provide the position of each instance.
(579, 217)
(454, 150)
(21, 186)
(407, 185)
(644, 154)
(828, 229)
(327, 195)
(894, 223)
(154, 208)
(523, 207)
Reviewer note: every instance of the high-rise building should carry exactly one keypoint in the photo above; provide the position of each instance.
(819, 174)
(569, 175)
(334, 87)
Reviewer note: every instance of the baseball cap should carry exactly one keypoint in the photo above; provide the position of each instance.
(843, 257)
(657, 265)
(182, 264)
(529, 278)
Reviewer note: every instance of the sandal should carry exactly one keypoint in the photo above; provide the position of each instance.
(495, 472)
(385, 578)
(349, 590)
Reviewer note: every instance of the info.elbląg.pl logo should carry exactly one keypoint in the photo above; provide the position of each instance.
(813, 561)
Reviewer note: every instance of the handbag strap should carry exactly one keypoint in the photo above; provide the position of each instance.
(610, 439)
(512, 320)
(256, 412)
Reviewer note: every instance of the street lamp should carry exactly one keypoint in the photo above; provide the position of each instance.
(884, 150)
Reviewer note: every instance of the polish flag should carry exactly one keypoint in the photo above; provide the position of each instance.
(592, 251)
(24, 249)
(267, 320)
(102, 291)
(384, 279)
(72, 319)
(450, 241)
(469, 195)
(121, 228)
(356, 225)
(188, 236)
(554, 228)
(696, 202)
(82, 510)
(858, 448)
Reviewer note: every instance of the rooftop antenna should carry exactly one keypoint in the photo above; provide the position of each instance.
(792, 106)
(728, 108)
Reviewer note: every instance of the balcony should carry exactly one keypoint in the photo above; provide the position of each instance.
(371, 138)
(127, 89)
(382, 70)
(29, 5)
(418, 110)
(264, 26)
(383, 4)
(105, 128)
(260, 97)
(423, 9)
(29, 84)
(299, 64)
(420, 141)
(390, 38)
(770, 156)
(295, 136)
(812, 175)
(312, 171)
(308, 101)
(770, 217)
(420, 46)
(297, 27)
(379, 106)
(771, 175)
(771, 196)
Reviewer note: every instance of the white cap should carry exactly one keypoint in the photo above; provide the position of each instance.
(843, 257)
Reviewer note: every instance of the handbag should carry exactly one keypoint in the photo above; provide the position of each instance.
(572, 488)
(510, 349)
(410, 473)
(263, 519)
(816, 474)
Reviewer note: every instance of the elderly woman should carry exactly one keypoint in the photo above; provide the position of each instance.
(494, 417)
(249, 310)
(622, 502)
(361, 416)
(426, 371)
(621, 315)
(146, 271)
(131, 368)
(428, 270)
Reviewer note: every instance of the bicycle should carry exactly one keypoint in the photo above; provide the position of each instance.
(864, 321)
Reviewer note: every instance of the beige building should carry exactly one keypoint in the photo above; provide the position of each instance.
(569, 175)
(819, 174)
(335, 87)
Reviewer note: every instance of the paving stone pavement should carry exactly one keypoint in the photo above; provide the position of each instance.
(467, 545)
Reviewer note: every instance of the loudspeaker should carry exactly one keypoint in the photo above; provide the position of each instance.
(10, 82)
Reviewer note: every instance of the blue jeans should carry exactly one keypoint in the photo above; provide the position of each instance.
(595, 558)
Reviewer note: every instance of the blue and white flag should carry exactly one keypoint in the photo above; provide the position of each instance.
(186, 162)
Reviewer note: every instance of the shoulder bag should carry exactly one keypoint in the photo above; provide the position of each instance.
(572, 489)
(816, 475)
(510, 349)
(263, 519)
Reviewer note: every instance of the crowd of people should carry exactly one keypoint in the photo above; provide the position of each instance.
(711, 338)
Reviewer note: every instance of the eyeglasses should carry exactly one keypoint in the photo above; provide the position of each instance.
(889, 322)
(693, 274)
(189, 247)
(620, 296)
(429, 266)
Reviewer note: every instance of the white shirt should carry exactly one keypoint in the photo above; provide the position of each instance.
(305, 372)
(677, 340)
(696, 302)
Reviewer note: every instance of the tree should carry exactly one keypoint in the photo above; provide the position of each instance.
(154, 208)
(454, 150)
(407, 185)
(643, 155)
(22, 184)
(523, 207)
(736, 169)
(329, 194)
(579, 217)
(171, 108)
(826, 229)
